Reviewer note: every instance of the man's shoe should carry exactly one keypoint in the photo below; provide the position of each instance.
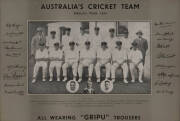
(140, 80)
(113, 80)
(43, 79)
(65, 79)
(98, 80)
(125, 81)
(34, 80)
(58, 79)
(50, 79)
(79, 80)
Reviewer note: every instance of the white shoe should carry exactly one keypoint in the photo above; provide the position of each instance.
(50, 79)
(65, 79)
(79, 80)
(132, 81)
(113, 80)
(44, 80)
(89, 80)
(125, 81)
(98, 80)
(58, 79)
(34, 80)
(140, 80)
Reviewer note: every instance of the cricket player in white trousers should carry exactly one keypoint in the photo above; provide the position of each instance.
(83, 37)
(96, 39)
(111, 39)
(103, 59)
(119, 59)
(87, 59)
(41, 57)
(66, 39)
(136, 62)
(56, 61)
(71, 59)
(51, 40)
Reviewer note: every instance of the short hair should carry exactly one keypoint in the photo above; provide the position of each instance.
(72, 82)
(118, 43)
(53, 32)
(96, 28)
(72, 43)
(106, 81)
(134, 44)
(103, 43)
(56, 44)
(111, 30)
(41, 44)
(87, 43)
(139, 32)
(68, 29)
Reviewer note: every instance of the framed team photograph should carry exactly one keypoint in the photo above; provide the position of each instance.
(89, 57)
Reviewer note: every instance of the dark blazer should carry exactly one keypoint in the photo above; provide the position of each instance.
(89, 91)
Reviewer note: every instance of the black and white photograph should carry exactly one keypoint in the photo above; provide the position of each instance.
(89, 57)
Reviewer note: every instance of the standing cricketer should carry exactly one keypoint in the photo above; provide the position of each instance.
(111, 40)
(96, 39)
(51, 40)
(67, 38)
(39, 37)
(83, 37)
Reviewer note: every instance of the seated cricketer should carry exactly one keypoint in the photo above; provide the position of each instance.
(71, 60)
(119, 59)
(87, 59)
(41, 57)
(56, 61)
(103, 59)
(136, 62)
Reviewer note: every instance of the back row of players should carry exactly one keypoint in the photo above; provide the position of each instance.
(87, 52)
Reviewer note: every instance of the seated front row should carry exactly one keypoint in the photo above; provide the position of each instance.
(88, 57)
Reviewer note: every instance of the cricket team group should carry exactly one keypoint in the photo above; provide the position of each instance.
(88, 51)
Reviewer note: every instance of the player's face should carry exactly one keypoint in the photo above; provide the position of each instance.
(126, 36)
(71, 46)
(68, 33)
(87, 46)
(41, 48)
(119, 47)
(56, 47)
(96, 32)
(89, 85)
(111, 34)
(107, 85)
(139, 35)
(72, 86)
(82, 32)
(39, 32)
(53, 35)
(63, 32)
(103, 46)
(134, 47)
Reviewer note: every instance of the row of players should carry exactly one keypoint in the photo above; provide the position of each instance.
(79, 40)
(88, 57)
